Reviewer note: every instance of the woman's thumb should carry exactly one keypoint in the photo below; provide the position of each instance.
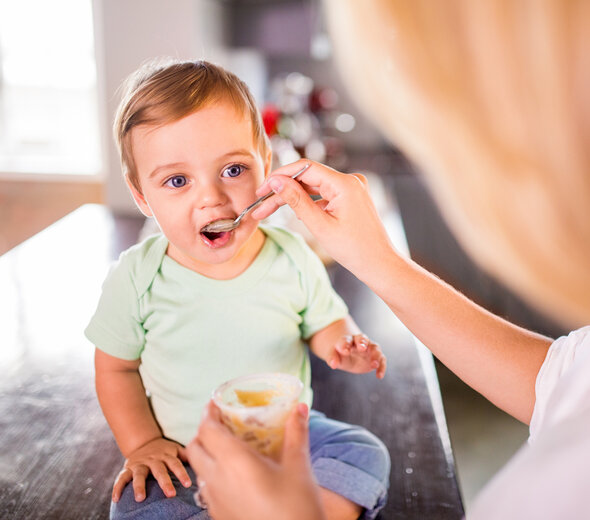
(293, 194)
(296, 442)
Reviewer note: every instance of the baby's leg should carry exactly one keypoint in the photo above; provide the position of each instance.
(351, 465)
(156, 505)
(337, 507)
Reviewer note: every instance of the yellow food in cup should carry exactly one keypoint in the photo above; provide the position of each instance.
(256, 397)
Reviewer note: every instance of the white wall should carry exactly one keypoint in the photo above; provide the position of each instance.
(129, 32)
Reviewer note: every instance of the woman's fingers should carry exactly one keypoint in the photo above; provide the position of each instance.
(295, 454)
(214, 437)
(345, 220)
(199, 458)
(291, 192)
(212, 431)
(267, 208)
(274, 203)
(289, 170)
(295, 193)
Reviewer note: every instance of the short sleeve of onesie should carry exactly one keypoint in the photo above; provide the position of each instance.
(116, 327)
(322, 301)
(323, 305)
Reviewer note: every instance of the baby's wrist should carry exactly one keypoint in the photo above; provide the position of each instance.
(138, 444)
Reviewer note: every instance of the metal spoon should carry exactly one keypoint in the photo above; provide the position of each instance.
(227, 224)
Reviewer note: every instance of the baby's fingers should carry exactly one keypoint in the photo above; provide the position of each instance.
(343, 345)
(361, 342)
(140, 473)
(123, 478)
(378, 361)
(160, 472)
(381, 367)
(335, 361)
(179, 471)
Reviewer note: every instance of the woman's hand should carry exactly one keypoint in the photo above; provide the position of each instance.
(239, 484)
(158, 457)
(345, 220)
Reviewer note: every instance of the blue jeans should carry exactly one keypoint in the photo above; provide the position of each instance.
(346, 459)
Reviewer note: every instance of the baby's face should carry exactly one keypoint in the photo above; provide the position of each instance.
(201, 168)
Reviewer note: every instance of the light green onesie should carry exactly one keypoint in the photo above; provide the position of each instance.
(192, 332)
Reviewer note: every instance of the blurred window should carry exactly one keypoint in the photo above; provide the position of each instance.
(48, 99)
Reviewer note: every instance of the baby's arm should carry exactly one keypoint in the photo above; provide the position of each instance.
(342, 345)
(125, 405)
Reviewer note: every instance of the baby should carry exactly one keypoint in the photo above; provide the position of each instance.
(186, 310)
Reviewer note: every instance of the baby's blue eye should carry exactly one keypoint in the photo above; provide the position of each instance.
(233, 171)
(178, 181)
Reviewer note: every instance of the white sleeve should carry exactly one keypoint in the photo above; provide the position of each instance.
(554, 380)
(548, 478)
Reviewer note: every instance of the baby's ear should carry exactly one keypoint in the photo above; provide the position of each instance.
(138, 198)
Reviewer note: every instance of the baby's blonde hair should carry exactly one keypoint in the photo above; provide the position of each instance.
(491, 100)
(164, 91)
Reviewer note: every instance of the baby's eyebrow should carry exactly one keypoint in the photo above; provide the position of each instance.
(170, 166)
(240, 151)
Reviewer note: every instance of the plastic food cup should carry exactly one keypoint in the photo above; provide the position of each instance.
(255, 408)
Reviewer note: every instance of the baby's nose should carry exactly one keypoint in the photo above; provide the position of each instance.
(211, 194)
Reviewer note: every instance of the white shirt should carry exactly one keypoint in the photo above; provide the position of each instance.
(549, 478)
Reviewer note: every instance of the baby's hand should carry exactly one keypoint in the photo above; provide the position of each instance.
(358, 354)
(157, 457)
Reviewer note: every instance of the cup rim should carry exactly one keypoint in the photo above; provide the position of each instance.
(216, 395)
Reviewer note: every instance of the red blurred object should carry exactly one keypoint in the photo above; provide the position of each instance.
(270, 118)
(323, 98)
(315, 104)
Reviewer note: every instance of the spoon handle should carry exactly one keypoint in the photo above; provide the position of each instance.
(257, 203)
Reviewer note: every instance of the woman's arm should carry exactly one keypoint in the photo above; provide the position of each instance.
(495, 357)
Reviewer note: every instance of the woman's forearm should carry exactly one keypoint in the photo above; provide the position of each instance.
(495, 357)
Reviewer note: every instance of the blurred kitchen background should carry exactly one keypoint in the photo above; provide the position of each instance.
(61, 63)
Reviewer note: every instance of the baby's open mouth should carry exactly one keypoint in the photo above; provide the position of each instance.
(215, 238)
(211, 235)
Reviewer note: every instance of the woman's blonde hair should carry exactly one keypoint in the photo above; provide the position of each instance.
(165, 90)
(491, 100)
